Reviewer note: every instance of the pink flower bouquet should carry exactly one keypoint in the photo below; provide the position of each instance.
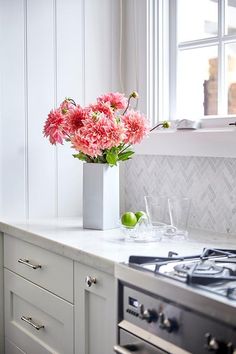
(102, 132)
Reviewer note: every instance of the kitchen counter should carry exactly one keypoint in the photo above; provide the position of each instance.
(102, 249)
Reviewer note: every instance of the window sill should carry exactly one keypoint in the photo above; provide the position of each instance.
(215, 142)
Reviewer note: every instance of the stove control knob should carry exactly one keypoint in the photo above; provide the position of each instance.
(168, 324)
(217, 346)
(231, 348)
(212, 343)
(147, 315)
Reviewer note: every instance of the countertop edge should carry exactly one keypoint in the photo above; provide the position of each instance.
(78, 255)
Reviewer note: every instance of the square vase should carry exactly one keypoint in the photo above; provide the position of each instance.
(101, 207)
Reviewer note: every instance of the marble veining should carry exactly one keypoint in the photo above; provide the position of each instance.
(210, 182)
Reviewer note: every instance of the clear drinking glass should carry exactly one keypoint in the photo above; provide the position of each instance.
(179, 208)
(157, 210)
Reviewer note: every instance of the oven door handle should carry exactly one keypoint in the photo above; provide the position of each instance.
(125, 350)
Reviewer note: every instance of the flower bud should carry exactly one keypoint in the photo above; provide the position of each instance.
(165, 124)
(134, 94)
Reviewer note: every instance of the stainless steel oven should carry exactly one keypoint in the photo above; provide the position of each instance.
(131, 344)
(157, 314)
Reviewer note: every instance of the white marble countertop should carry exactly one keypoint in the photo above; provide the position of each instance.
(102, 249)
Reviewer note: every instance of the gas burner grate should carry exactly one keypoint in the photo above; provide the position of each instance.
(214, 274)
(213, 270)
(231, 293)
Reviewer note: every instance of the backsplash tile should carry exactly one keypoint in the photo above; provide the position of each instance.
(210, 182)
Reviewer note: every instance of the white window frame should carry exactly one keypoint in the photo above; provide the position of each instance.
(215, 137)
(162, 60)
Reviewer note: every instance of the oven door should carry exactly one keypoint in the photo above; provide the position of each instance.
(131, 344)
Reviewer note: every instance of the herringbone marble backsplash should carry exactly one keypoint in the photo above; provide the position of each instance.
(209, 182)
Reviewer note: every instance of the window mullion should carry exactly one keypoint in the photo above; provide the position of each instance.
(173, 58)
(158, 59)
(165, 61)
(158, 64)
(150, 62)
(162, 52)
(222, 101)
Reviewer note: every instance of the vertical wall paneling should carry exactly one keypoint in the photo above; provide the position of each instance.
(97, 48)
(115, 20)
(70, 83)
(128, 69)
(40, 36)
(134, 56)
(12, 136)
(141, 52)
(49, 49)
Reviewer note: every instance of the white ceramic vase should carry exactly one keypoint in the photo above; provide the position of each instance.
(100, 196)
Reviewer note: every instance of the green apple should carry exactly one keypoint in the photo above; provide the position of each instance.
(129, 219)
(139, 214)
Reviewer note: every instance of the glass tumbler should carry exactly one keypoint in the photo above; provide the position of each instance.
(157, 210)
(179, 208)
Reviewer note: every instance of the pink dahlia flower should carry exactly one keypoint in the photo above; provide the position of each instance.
(102, 107)
(54, 127)
(97, 134)
(83, 144)
(136, 125)
(75, 118)
(116, 100)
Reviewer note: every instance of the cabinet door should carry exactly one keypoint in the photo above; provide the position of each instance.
(1, 295)
(95, 314)
(11, 348)
(35, 320)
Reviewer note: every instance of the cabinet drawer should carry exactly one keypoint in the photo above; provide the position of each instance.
(35, 320)
(54, 274)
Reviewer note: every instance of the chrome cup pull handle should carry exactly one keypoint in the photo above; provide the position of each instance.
(125, 350)
(28, 264)
(32, 323)
(89, 281)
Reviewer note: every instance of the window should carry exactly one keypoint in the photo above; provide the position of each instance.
(198, 66)
(165, 53)
(204, 57)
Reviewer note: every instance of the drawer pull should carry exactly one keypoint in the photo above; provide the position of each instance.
(125, 350)
(28, 264)
(32, 323)
(90, 281)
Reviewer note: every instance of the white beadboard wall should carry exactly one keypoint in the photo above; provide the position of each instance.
(50, 49)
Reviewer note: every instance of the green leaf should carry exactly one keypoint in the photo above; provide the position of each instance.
(112, 157)
(125, 155)
(80, 156)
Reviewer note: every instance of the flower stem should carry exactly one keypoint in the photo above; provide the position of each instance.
(163, 124)
(126, 109)
(125, 148)
(134, 94)
(71, 100)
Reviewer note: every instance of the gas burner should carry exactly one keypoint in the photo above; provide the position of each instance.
(206, 268)
(213, 270)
